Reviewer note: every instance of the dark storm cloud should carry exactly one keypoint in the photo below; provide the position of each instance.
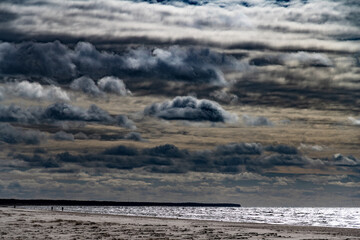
(61, 112)
(302, 59)
(104, 85)
(6, 16)
(239, 149)
(298, 93)
(113, 85)
(86, 59)
(193, 65)
(121, 160)
(14, 113)
(123, 120)
(230, 158)
(286, 160)
(65, 64)
(252, 157)
(39, 161)
(282, 149)
(81, 136)
(63, 136)
(190, 108)
(167, 150)
(122, 150)
(135, 136)
(64, 111)
(245, 3)
(12, 135)
(86, 85)
(224, 97)
(14, 185)
(57, 61)
(40, 150)
(176, 2)
(37, 59)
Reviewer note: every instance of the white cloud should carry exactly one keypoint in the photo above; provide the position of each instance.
(37, 91)
(340, 159)
(2, 94)
(307, 59)
(355, 121)
(345, 184)
(113, 85)
(311, 147)
(312, 25)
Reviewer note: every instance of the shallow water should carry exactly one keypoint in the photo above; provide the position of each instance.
(326, 217)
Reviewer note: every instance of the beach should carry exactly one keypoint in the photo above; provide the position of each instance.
(18, 223)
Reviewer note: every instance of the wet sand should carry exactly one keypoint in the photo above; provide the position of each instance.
(34, 224)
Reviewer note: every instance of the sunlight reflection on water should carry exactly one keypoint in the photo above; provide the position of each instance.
(326, 217)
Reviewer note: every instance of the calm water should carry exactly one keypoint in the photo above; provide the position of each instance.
(327, 217)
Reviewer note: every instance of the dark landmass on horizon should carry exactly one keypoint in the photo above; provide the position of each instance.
(46, 202)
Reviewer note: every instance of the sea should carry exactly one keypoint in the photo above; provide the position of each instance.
(325, 217)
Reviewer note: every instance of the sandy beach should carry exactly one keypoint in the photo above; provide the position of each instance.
(33, 224)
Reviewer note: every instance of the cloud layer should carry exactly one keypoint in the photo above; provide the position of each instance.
(61, 112)
(229, 158)
(12, 135)
(184, 21)
(57, 61)
(311, 49)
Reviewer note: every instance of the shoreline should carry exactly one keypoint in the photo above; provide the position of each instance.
(49, 202)
(42, 224)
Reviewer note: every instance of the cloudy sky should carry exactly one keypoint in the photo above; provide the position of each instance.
(245, 101)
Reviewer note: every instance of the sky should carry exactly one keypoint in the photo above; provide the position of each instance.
(253, 102)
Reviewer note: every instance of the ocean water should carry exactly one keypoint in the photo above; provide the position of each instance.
(326, 217)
